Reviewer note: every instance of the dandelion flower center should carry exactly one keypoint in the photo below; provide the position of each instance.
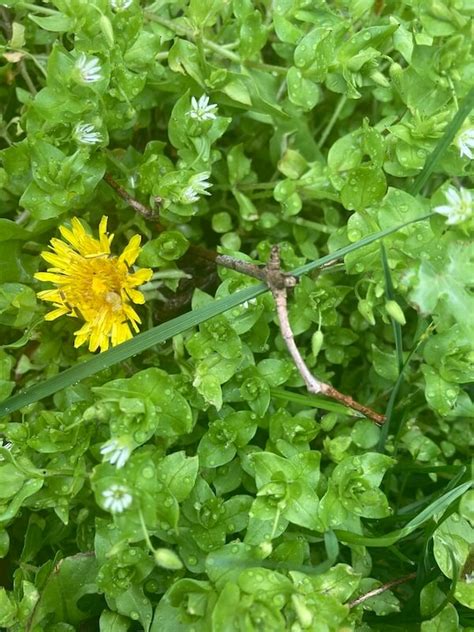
(94, 285)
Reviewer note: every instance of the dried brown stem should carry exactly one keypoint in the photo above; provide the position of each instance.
(381, 589)
(129, 199)
(279, 283)
(250, 269)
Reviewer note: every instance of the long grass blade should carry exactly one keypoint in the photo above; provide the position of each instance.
(314, 401)
(436, 507)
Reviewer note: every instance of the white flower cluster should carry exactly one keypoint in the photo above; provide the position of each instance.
(459, 207)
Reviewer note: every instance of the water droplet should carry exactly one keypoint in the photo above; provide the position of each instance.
(148, 472)
(354, 234)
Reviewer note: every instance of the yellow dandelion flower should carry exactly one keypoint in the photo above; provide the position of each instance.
(94, 285)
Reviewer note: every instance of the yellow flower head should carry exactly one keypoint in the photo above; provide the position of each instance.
(94, 285)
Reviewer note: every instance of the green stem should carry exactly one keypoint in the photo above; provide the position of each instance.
(300, 221)
(221, 50)
(145, 532)
(268, 67)
(37, 8)
(257, 186)
(335, 115)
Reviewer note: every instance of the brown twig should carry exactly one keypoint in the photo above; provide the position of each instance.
(278, 282)
(129, 199)
(381, 589)
(250, 269)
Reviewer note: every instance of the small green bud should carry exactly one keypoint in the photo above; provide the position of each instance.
(317, 340)
(107, 29)
(365, 308)
(329, 421)
(304, 614)
(395, 311)
(395, 70)
(379, 79)
(18, 36)
(166, 558)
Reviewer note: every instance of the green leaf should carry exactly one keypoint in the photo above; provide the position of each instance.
(301, 91)
(58, 22)
(442, 286)
(113, 622)
(72, 578)
(445, 621)
(365, 186)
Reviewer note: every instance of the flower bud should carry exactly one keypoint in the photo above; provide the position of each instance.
(365, 308)
(107, 29)
(317, 340)
(166, 558)
(395, 311)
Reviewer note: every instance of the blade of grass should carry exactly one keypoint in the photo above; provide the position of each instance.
(314, 401)
(395, 390)
(165, 331)
(342, 252)
(437, 506)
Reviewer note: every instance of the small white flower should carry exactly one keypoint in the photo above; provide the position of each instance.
(117, 498)
(465, 143)
(117, 451)
(459, 207)
(8, 446)
(89, 68)
(120, 5)
(197, 186)
(202, 110)
(87, 134)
